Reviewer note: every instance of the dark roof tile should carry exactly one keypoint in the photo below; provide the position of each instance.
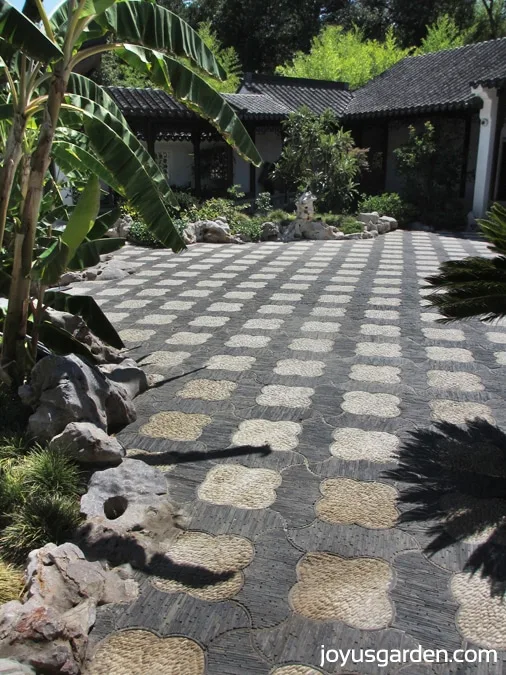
(437, 81)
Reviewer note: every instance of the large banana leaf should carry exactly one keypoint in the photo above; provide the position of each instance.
(132, 169)
(89, 252)
(189, 88)
(81, 91)
(18, 31)
(60, 341)
(154, 27)
(104, 223)
(85, 307)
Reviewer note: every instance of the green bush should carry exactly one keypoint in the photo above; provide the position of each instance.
(252, 227)
(350, 225)
(280, 216)
(187, 202)
(388, 204)
(141, 236)
(39, 498)
(217, 206)
(263, 203)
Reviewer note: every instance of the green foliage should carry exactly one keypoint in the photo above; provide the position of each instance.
(39, 498)
(11, 582)
(475, 287)
(430, 165)
(263, 203)
(388, 204)
(489, 20)
(226, 56)
(320, 156)
(345, 56)
(251, 227)
(443, 34)
(114, 72)
(349, 225)
(280, 216)
(140, 235)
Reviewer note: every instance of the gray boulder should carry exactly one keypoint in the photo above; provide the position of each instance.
(354, 235)
(316, 230)
(367, 218)
(387, 221)
(66, 389)
(88, 444)
(128, 375)
(270, 232)
(79, 329)
(50, 630)
(372, 227)
(10, 667)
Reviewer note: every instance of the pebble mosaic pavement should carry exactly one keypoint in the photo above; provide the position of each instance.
(294, 374)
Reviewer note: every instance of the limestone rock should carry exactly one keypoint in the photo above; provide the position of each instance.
(316, 230)
(11, 667)
(128, 514)
(367, 218)
(88, 444)
(368, 235)
(387, 221)
(79, 329)
(270, 232)
(210, 231)
(354, 235)
(305, 206)
(50, 630)
(67, 279)
(66, 389)
(372, 227)
(129, 375)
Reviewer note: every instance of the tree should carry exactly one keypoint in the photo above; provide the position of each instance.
(412, 18)
(443, 34)
(475, 287)
(320, 156)
(43, 91)
(264, 33)
(489, 20)
(345, 56)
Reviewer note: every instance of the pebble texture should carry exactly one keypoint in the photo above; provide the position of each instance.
(286, 396)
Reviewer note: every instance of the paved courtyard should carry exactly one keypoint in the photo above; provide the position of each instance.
(316, 429)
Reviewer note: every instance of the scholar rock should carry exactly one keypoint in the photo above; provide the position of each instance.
(128, 374)
(88, 444)
(270, 232)
(367, 218)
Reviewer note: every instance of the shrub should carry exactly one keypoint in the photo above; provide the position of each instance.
(263, 203)
(280, 216)
(388, 204)
(187, 202)
(216, 207)
(320, 156)
(349, 225)
(252, 227)
(11, 582)
(141, 236)
(39, 498)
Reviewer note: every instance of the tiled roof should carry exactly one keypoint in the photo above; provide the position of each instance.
(294, 92)
(157, 103)
(431, 82)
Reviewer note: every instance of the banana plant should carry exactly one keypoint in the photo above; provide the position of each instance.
(38, 61)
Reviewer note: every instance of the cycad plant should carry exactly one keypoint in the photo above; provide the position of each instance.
(475, 287)
(77, 124)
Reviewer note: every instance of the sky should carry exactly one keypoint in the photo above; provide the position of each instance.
(48, 4)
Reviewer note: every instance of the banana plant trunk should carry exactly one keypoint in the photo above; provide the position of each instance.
(13, 154)
(15, 326)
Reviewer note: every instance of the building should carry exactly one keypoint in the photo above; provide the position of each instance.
(464, 86)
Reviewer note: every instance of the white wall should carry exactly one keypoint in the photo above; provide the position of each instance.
(178, 156)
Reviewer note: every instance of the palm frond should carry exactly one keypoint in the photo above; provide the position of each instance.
(494, 228)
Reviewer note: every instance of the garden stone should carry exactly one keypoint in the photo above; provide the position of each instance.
(11, 667)
(88, 444)
(316, 230)
(367, 218)
(67, 279)
(129, 515)
(121, 227)
(66, 389)
(128, 374)
(190, 234)
(354, 235)
(392, 223)
(79, 329)
(383, 226)
(270, 232)
(305, 206)
(50, 630)
(372, 227)
(367, 235)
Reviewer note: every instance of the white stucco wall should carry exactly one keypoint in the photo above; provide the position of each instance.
(179, 161)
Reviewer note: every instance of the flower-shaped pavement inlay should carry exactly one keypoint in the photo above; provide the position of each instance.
(456, 354)
(352, 502)
(187, 338)
(278, 435)
(295, 670)
(167, 359)
(232, 363)
(239, 486)
(133, 335)
(218, 562)
(299, 368)
(157, 319)
(457, 412)
(310, 345)
(288, 397)
(176, 426)
(461, 381)
(248, 341)
(364, 403)
(208, 390)
(384, 349)
(481, 617)
(356, 444)
(386, 374)
(132, 652)
(354, 590)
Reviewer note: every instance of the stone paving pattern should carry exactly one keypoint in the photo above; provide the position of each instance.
(295, 372)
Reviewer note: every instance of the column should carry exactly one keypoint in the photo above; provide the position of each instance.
(196, 161)
(486, 143)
